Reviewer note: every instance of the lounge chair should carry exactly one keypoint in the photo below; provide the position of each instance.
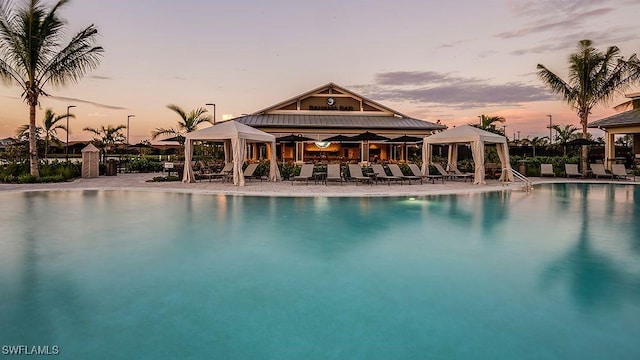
(306, 173)
(546, 170)
(442, 171)
(459, 174)
(599, 170)
(381, 174)
(333, 173)
(226, 171)
(249, 172)
(355, 173)
(417, 172)
(620, 172)
(396, 171)
(572, 170)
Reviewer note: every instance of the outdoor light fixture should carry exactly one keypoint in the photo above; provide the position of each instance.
(323, 144)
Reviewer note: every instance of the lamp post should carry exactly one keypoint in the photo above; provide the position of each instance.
(66, 147)
(128, 117)
(214, 112)
(550, 127)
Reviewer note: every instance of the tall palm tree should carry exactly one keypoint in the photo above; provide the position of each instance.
(564, 134)
(51, 123)
(489, 123)
(188, 122)
(595, 77)
(33, 55)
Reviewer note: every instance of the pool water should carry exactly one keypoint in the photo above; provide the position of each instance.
(120, 274)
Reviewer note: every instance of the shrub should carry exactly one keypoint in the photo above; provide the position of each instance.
(144, 165)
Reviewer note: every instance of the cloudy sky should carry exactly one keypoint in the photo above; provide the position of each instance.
(432, 60)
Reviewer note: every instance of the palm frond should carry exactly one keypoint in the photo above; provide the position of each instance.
(75, 60)
(161, 131)
(178, 110)
(555, 83)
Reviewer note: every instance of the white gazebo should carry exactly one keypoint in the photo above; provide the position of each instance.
(467, 134)
(235, 137)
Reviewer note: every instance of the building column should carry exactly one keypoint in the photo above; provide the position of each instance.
(609, 149)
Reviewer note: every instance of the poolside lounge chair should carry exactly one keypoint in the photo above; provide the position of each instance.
(333, 173)
(572, 170)
(249, 172)
(381, 174)
(620, 172)
(443, 172)
(306, 173)
(546, 170)
(459, 174)
(599, 170)
(355, 173)
(396, 171)
(417, 172)
(226, 171)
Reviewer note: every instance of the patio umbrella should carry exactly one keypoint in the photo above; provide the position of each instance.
(293, 138)
(369, 136)
(404, 139)
(581, 142)
(338, 138)
(365, 137)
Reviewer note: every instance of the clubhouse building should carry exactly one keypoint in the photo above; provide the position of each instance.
(306, 123)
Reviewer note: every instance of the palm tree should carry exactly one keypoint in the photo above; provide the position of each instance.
(564, 134)
(107, 137)
(489, 123)
(537, 141)
(33, 54)
(50, 125)
(594, 77)
(189, 122)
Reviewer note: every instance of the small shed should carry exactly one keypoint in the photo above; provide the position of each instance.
(90, 161)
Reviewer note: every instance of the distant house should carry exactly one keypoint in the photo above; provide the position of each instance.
(331, 110)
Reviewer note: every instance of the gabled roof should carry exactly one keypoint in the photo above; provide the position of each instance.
(337, 122)
(624, 119)
(322, 88)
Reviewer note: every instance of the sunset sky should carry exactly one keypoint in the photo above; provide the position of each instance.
(431, 60)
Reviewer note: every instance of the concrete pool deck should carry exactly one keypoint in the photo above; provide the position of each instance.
(138, 182)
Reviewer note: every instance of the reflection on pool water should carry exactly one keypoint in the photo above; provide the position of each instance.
(116, 274)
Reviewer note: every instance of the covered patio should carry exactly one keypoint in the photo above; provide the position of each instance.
(624, 123)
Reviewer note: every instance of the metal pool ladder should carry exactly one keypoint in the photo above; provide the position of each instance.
(518, 176)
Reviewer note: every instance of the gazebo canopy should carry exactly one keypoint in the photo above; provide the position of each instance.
(467, 134)
(235, 137)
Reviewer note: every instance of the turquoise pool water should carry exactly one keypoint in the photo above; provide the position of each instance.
(119, 275)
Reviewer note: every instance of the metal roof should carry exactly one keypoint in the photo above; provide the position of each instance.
(624, 119)
(337, 122)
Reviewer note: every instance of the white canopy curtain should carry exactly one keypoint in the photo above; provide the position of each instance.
(235, 137)
(467, 134)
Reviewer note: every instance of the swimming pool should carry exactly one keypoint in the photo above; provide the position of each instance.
(118, 274)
